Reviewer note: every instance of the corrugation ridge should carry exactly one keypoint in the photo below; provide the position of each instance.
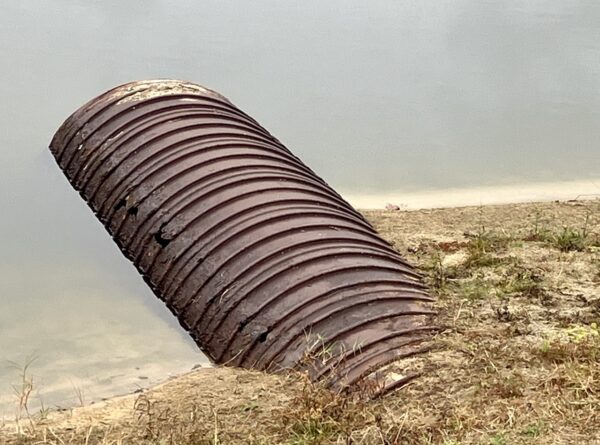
(254, 245)
(213, 177)
(257, 192)
(108, 115)
(398, 286)
(213, 244)
(290, 259)
(369, 365)
(412, 330)
(325, 273)
(403, 295)
(345, 362)
(249, 213)
(262, 261)
(141, 123)
(137, 203)
(147, 145)
(110, 99)
(156, 169)
(321, 204)
(330, 209)
(218, 294)
(179, 285)
(336, 294)
(191, 168)
(274, 237)
(242, 343)
(267, 180)
(292, 268)
(210, 101)
(109, 148)
(92, 195)
(167, 201)
(200, 145)
(70, 125)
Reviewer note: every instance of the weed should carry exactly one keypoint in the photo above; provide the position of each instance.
(158, 423)
(498, 439)
(442, 278)
(44, 411)
(23, 392)
(540, 230)
(318, 414)
(533, 430)
(483, 247)
(438, 275)
(521, 281)
(79, 394)
(584, 350)
(475, 289)
(570, 240)
(596, 269)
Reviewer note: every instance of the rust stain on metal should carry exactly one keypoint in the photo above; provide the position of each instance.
(259, 259)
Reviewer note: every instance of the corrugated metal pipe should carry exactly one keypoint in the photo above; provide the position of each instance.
(263, 263)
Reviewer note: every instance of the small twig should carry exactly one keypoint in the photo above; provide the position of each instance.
(88, 434)
(216, 436)
(55, 436)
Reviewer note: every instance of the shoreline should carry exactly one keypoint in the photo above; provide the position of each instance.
(539, 192)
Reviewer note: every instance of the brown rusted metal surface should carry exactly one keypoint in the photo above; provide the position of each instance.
(259, 259)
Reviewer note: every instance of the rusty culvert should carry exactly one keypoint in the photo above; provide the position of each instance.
(259, 259)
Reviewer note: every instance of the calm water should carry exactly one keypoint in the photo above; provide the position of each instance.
(379, 97)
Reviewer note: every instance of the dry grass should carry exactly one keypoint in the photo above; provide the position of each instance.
(517, 360)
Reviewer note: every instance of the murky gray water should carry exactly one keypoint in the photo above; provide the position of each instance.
(378, 97)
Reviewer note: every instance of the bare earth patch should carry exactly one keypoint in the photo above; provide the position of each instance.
(516, 362)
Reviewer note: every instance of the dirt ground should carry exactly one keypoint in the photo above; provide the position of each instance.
(516, 361)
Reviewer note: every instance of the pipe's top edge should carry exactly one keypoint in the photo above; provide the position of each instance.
(140, 90)
(130, 94)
